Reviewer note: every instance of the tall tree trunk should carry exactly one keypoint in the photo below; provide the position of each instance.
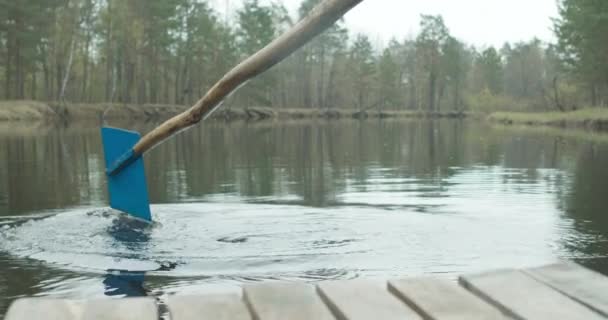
(154, 77)
(556, 98)
(330, 94)
(186, 85)
(114, 81)
(360, 97)
(10, 47)
(141, 80)
(68, 70)
(110, 77)
(8, 75)
(321, 80)
(440, 94)
(432, 89)
(47, 78)
(34, 85)
(19, 71)
(85, 71)
(457, 95)
(594, 95)
(58, 78)
(178, 76)
(130, 78)
(20, 74)
(524, 79)
(412, 97)
(166, 84)
(306, 75)
(117, 86)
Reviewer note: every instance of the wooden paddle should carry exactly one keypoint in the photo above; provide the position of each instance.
(123, 150)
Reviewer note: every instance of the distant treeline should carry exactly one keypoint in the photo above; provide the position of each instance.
(172, 51)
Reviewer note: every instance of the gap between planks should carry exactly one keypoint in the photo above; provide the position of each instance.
(559, 291)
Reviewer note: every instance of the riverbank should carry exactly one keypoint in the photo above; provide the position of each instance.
(40, 111)
(33, 111)
(594, 119)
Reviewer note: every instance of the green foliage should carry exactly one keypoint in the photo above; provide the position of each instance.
(581, 31)
(587, 115)
(361, 60)
(490, 71)
(256, 26)
(172, 51)
(24, 31)
(388, 81)
(485, 101)
(524, 72)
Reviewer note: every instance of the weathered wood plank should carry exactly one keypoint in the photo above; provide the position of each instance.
(583, 285)
(363, 300)
(121, 309)
(441, 299)
(523, 297)
(208, 307)
(281, 301)
(44, 309)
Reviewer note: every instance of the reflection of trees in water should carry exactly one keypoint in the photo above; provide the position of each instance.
(49, 169)
(317, 161)
(313, 160)
(587, 204)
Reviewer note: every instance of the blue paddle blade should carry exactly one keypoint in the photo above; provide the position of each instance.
(127, 188)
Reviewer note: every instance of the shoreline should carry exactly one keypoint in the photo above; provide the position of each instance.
(35, 111)
(590, 119)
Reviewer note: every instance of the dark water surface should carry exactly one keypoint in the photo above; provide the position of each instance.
(308, 200)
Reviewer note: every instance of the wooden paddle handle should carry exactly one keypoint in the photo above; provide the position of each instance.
(320, 18)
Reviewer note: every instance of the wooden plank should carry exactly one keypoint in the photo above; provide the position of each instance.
(121, 309)
(523, 297)
(441, 299)
(363, 300)
(583, 285)
(208, 307)
(44, 309)
(281, 301)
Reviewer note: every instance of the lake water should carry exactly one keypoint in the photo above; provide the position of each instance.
(307, 200)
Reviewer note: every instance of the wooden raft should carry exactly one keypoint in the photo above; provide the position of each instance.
(559, 291)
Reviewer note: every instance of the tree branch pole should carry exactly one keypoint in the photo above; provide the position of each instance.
(320, 18)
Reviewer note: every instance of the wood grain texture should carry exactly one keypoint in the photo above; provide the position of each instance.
(441, 299)
(583, 285)
(282, 301)
(44, 309)
(523, 297)
(363, 300)
(120, 309)
(562, 291)
(208, 307)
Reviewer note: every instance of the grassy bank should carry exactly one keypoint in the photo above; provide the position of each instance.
(591, 119)
(25, 110)
(39, 111)
(302, 113)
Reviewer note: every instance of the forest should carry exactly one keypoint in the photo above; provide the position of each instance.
(171, 51)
